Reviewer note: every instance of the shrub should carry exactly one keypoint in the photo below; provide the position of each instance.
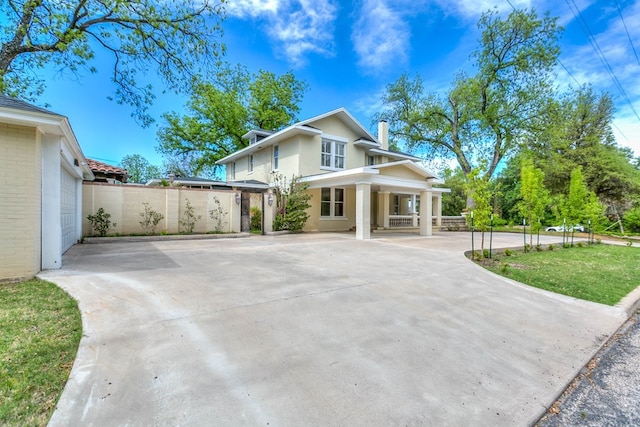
(101, 222)
(150, 219)
(538, 248)
(256, 219)
(631, 220)
(218, 215)
(188, 221)
(508, 252)
(551, 247)
(499, 222)
(292, 202)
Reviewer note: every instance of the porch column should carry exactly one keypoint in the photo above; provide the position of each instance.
(426, 212)
(363, 210)
(438, 209)
(383, 209)
(414, 211)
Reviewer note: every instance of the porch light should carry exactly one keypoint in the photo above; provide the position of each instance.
(270, 199)
(238, 198)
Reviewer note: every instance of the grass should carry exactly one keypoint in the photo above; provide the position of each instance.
(40, 328)
(598, 273)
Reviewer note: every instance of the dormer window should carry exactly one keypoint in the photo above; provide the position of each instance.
(253, 140)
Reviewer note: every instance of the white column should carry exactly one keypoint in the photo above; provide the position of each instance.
(51, 255)
(268, 211)
(426, 213)
(438, 198)
(383, 209)
(363, 210)
(414, 211)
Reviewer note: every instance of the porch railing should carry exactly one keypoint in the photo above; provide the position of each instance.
(402, 221)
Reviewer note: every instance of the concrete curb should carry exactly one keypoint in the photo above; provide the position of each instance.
(161, 238)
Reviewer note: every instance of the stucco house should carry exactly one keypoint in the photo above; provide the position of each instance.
(41, 170)
(355, 180)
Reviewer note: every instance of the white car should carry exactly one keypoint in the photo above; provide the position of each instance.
(560, 228)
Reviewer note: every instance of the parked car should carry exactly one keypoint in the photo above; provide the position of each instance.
(560, 228)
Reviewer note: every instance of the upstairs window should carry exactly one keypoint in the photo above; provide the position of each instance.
(233, 171)
(332, 155)
(251, 163)
(275, 157)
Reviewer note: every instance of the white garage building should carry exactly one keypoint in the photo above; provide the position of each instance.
(41, 173)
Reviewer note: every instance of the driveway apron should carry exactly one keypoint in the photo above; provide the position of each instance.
(316, 329)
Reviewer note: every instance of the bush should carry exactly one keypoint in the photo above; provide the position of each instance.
(499, 222)
(218, 215)
(101, 222)
(508, 252)
(150, 219)
(188, 220)
(292, 201)
(256, 219)
(631, 220)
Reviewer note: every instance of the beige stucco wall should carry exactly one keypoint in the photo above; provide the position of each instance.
(317, 223)
(20, 201)
(125, 204)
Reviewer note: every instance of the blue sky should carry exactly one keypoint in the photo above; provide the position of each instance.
(349, 51)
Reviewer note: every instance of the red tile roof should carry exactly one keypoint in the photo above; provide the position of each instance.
(105, 168)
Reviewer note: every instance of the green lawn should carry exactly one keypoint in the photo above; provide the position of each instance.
(40, 328)
(599, 273)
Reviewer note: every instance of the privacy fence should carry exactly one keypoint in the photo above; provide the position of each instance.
(212, 210)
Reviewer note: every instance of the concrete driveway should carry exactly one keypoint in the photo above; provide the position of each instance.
(316, 329)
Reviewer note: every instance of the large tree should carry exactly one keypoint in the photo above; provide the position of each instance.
(484, 116)
(220, 111)
(578, 135)
(139, 169)
(172, 39)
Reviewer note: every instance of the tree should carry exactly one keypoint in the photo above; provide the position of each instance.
(578, 135)
(292, 203)
(221, 111)
(479, 188)
(580, 205)
(175, 40)
(483, 117)
(454, 202)
(139, 169)
(535, 196)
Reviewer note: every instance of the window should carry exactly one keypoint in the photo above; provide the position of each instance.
(233, 171)
(332, 155)
(251, 163)
(332, 202)
(371, 160)
(275, 157)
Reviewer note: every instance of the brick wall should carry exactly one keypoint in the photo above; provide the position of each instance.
(20, 201)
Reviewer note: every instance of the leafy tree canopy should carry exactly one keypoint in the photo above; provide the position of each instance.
(139, 169)
(221, 111)
(175, 40)
(485, 116)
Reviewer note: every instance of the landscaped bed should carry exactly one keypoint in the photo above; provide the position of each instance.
(599, 273)
(40, 329)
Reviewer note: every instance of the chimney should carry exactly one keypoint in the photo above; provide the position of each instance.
(383, 134)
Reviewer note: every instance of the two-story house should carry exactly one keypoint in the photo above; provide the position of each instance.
(354, 179)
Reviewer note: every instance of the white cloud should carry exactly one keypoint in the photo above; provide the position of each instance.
(380, 36)
(297, 27)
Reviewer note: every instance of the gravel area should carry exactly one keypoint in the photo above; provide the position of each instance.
(607, 391)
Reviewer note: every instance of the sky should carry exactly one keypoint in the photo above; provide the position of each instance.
(348, 52)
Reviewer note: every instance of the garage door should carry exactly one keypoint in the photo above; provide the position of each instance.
(68, 210)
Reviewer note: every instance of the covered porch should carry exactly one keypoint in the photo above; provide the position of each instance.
(391, 196)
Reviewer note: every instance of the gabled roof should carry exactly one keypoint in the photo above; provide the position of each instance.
(17, 104)
(304, 127)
